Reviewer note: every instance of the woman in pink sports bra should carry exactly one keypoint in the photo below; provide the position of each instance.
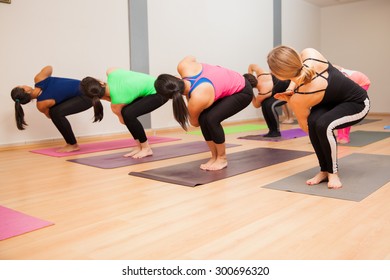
(363, 81)
(213, 94)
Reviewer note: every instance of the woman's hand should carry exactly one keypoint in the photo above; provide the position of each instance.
(285, 96)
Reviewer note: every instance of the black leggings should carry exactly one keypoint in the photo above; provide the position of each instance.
(323, 120)
(270, 113)
(139, 107)
(211, 118)
(68, 107)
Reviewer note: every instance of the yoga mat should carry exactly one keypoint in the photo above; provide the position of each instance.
(361, 175)
(235, 129)
(366, 121)
(286, 135)
(102, 146)
(117, 160)
(13, 223)
(189, 174)
(361, 138)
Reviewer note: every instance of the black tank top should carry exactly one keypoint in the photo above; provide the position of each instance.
(339, 89)
(279, 86)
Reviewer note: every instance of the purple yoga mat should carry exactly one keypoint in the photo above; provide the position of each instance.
(14, 223)
(102, 146)
(171, 151)
(286, 135)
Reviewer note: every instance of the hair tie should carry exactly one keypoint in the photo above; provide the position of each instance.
(17, 100)
(299, 71)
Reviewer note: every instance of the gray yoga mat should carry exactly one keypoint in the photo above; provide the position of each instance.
(189, 174)
(361, 138)
(361, 175)
(366, 121)
(116, 160)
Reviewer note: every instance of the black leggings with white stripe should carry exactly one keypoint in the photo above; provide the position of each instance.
(323, 120)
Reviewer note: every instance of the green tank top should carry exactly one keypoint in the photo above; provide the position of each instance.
(126, 86)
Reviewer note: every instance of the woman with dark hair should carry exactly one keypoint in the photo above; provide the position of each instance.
(131, 95)
(324, 100)
(213, 94)
(267, 86)
(56, 98)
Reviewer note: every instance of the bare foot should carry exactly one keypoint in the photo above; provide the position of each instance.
(143, 153)
(334, 181)
(68, 148)
(343, 140)
(218, 164)
(288, 121)
(206, 165)
(132, 152)
(319, 178)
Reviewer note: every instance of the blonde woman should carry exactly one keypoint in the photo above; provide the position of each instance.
(323, 100)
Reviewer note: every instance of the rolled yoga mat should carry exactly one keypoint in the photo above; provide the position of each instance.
(285, 135)
(102, 146)
(13, 223)
(171, 151)
(361, 175)
(189, 174)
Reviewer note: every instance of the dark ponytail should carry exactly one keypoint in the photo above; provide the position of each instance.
(20, 97)
(172, 87)
(93, 89)
(251, 79)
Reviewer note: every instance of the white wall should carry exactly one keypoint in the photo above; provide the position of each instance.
(78, 38)
(356, 36)
(301, 25)
(230, 33)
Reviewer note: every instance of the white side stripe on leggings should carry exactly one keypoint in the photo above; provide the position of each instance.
(335, 123)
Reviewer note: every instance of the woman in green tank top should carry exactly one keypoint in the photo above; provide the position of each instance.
(131, 95)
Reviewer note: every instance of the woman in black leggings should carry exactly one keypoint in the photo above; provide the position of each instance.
(57, 98)
(323, 100)
(131, 95)
(267, 86)
(213, 94)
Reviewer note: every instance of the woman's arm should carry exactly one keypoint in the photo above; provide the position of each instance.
(117, 110)
(201, 99)
(188, 66)
(45, 105)
(43, 74)
(254, 68)
(111, 69)
(301, 110)
(257, 100)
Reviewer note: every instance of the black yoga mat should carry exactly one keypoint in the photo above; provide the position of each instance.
(189, 174)
(116, 160)
(361, 175)
(285, 135)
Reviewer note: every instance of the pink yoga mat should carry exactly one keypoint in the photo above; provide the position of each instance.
(14, 223)
(102, 146)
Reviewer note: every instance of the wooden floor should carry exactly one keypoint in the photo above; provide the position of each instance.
(107, 214)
